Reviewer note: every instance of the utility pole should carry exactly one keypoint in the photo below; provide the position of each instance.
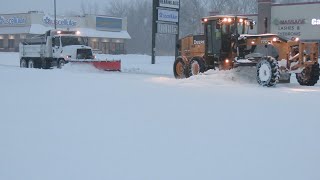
(155, 4)
(55, 14)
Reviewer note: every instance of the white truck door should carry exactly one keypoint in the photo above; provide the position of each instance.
(56, 48)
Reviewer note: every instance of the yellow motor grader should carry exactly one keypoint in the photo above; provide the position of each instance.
(226, 45)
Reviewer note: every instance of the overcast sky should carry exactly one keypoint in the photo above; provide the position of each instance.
(14, 6)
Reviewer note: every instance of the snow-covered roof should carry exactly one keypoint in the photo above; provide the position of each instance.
(103, 34)
(87, 32)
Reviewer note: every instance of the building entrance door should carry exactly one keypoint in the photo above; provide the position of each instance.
(105, 47)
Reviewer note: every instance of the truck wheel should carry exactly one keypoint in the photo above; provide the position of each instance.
(309, 76)
(30, 64)
(196, 66)
(180, 69)
(61, 63)
(23, 63)
(268, 72)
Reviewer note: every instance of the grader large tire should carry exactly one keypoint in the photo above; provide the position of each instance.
(309, 76)
(196, 66)
(180, 69)
(268, 72)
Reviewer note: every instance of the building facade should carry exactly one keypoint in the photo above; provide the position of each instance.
(105, 34)
(300, 20)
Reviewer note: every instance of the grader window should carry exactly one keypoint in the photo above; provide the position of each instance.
(218, 34)
(225, 29)
(209, 36)
(241, 28)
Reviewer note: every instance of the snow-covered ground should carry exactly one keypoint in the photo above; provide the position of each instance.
(142, 124)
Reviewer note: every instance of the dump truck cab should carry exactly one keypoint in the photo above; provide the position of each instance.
(69, 45)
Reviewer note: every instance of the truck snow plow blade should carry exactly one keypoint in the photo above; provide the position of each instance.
(107, 65)
(114, 65)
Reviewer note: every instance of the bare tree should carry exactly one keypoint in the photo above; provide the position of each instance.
(117, 8)
(89, 8)
(191, 13)
(233, 6)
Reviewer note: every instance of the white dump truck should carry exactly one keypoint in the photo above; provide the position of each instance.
(54, 48)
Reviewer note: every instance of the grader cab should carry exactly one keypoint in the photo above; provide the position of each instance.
(226, 44)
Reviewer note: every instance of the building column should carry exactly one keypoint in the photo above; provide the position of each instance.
(264, 16)
(17, 40)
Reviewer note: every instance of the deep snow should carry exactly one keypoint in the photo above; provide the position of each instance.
(79, 123)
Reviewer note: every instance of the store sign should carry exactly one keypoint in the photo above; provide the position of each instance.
(48, 20)
(289, 27)
(13, 21)
(108, 24)
(315, 22)
(289, 21)
(164, 28)
(168, 15)
(169, 3)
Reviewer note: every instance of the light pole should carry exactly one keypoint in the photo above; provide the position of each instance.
(155, 4)
(55, 14)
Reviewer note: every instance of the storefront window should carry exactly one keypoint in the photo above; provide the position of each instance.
(11, 43)
(1, 43)
(105, 47)
(119, 48)
(95, 45)
(116, 48)
(113, 48)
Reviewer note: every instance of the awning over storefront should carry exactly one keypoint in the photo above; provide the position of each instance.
(14, 30)
(103, 34)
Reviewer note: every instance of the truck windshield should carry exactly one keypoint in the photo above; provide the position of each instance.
(72, 40)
